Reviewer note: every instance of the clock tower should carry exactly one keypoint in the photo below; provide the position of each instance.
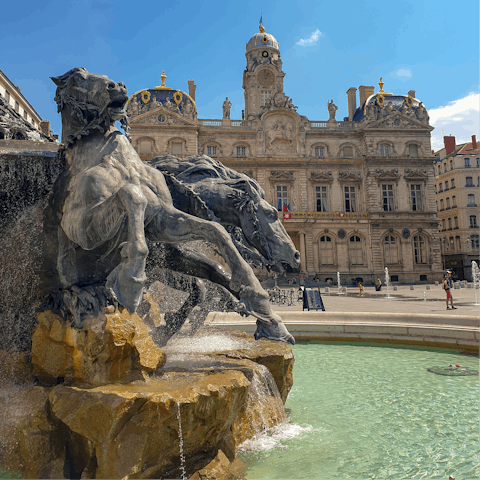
(263, 77)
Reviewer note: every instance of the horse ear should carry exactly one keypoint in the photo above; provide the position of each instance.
(62, 80)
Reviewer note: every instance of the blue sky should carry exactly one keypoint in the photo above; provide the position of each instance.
(429, 46)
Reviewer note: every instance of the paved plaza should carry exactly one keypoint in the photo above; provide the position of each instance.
(403, 300)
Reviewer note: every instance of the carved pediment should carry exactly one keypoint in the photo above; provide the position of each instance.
(282, 176)
(160, 116)
(346, 176)
(387, 175)
(397, 120)
(416, 175)
(321, 177)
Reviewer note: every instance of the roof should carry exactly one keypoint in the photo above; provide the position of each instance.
(467, 149)
(261, 40)
(398, 102)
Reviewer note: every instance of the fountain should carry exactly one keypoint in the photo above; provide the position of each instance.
(340, 288)
(424, 296)
(387, 282)
(476, 278)
(103, 376)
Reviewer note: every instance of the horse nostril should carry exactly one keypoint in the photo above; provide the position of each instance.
(297, 256)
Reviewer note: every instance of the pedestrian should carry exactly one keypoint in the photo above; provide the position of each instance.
(447, 286)
(378, 285)
(360, 286)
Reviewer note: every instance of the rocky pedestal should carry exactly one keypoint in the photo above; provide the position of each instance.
(183, 420)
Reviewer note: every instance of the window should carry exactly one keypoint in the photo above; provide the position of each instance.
(451, 164)
(442, 205)
(25, 114)
(471, 200)
(436, 205)
(145, 146)
(455, 221)
(435, 188)
(473, 221)
(264, 95)
(7, 96)
(390, 250)
(445, 167)
(241, 151)
(454, 202)
(413, 150)
(282, 197)
(469, 182)
(387, 198)
(449, 223)
(452, 183)
(448, 203)
(450, 241)
(440, 188)
(474, 242)
(326, 250)
(446, 185)
(445, 244)
(348, 152)
(176, 148)
(319, 152)
(17, 106)
(211, 150)
(355, 250)
(321, 196)
(478, 162)
(467, 162)
(416, 197)
(384, 150)
(444, 226)
(350, 205)
(419, 249)
(439, 169)
(458, 244)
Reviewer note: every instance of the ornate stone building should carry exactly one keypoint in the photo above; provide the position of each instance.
(457, 179)
(359, 192)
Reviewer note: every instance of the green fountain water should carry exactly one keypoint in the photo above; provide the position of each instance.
(370, 412)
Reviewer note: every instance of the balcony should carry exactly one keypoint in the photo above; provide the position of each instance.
(329, 215)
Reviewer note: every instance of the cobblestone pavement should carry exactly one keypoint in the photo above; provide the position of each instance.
(403, 300)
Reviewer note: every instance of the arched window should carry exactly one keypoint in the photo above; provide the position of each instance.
(145, 146)
(458, 243)
(444, 227)
(348, 152)
(385, 150)
(211, 150)
(419, 249)
(355, 250)
(390, 250)
(413, 150)
(325, 253)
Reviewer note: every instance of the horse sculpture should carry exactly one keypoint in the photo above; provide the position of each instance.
(108, 202)
(207, 189)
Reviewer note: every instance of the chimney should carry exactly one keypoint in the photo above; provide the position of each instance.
(411, 93)
(474, 142)
(45, 128)
(191, 89)
(364, 93)
(352, 102)
(449, 142)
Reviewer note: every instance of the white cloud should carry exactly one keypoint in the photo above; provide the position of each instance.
(404, 72)
(460, 118)
(312, 40)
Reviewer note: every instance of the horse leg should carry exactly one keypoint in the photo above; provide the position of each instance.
(173, 226)
(95, 226)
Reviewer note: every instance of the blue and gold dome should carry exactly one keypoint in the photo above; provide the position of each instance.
(261, 40)
(150, 98)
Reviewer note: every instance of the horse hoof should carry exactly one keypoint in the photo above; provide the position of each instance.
(273, 331)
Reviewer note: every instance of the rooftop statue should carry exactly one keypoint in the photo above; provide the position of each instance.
(108, 202)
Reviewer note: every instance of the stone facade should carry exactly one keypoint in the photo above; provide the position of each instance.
(457, 173)
(359, 192)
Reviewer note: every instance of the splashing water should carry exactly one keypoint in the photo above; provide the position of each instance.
(476, 275)
(180, 436)
(340, 289)
(387, 282)
(424, 296)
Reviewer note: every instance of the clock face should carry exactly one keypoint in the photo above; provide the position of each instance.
(265, 54)
(265, 78)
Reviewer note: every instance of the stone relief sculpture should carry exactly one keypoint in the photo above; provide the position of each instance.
(422, 114)
(189, 111)
(134, 106)
(332, 109)
(108, 203)
(226, 108)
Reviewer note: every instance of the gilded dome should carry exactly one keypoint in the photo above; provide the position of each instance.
(262, 39)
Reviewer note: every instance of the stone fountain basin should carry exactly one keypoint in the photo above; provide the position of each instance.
(132, 429)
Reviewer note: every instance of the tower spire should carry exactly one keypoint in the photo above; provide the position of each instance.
(260, 25)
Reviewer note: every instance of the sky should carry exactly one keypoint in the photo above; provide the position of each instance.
(430, 46)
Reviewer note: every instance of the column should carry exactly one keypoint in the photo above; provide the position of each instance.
(303, 262)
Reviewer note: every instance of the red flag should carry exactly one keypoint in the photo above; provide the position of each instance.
(286, 214)
(285, 208)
